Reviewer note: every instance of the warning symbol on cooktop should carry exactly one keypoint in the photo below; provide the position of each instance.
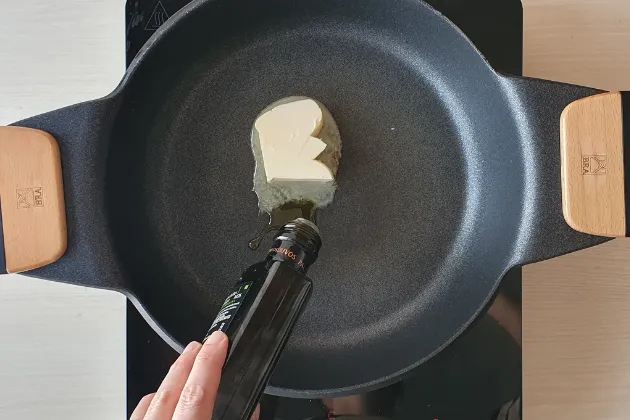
(158, 17)
(594, 165)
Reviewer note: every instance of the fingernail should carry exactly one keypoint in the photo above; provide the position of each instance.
(215, 338)
(191, 346)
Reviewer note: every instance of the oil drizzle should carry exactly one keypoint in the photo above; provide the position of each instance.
(283, 215)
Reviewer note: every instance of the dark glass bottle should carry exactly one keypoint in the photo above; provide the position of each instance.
(259, 315)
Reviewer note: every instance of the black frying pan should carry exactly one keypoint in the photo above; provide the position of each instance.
(450, 176)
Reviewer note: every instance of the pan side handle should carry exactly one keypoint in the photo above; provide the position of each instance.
(82, 133)
(32, 211)
(595, 149)
(537, 106)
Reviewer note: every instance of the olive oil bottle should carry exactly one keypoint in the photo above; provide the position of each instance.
(258, 317)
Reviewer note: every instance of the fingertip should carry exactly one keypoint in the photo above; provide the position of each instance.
(214, 348)
(148, 397)
(191, 346)
(215, 339)
(142, 408)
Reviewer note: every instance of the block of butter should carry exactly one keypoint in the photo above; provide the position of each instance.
(297, 148)
(289, 142)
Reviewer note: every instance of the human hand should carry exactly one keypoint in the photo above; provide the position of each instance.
(189, 390)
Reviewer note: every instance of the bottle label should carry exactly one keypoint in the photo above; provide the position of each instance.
(292, 253)
(229, 309)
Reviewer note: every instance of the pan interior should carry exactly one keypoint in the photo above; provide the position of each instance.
(430, 184)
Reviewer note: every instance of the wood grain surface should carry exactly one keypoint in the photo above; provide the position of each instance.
(576, 308)
(591, 149)
(31, 194)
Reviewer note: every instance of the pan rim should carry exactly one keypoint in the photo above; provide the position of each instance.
(181, 14)
(138, 61)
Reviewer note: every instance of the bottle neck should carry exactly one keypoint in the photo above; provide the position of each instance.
(291, 253)
(297, 244)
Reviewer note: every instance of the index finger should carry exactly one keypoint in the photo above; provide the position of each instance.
(200, 392)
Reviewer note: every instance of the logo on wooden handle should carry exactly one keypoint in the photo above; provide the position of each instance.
(30, 197)
(594, 165)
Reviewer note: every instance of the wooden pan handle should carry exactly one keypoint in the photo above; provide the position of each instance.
(33, 218)
(594, 142)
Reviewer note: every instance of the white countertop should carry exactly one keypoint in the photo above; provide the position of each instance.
(63, 347)
(62, 354)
